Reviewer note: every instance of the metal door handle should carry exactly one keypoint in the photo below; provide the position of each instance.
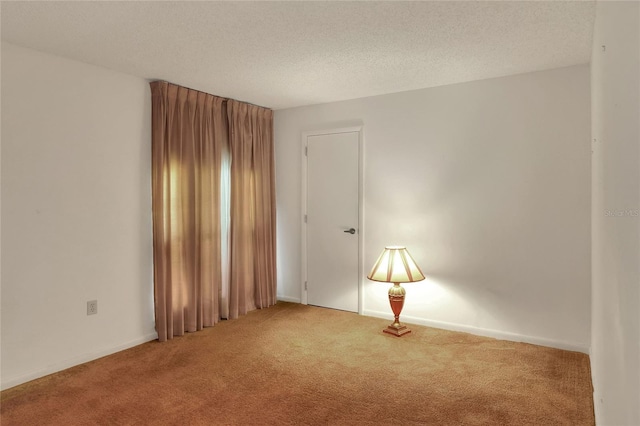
(350, 231)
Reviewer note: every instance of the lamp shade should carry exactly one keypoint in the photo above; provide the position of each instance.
(395, 265)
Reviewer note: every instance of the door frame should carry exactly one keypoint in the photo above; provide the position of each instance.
(303, 223)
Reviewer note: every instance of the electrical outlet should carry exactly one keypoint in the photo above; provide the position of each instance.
(92, 307)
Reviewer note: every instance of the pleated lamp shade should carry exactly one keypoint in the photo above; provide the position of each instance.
(395, 265)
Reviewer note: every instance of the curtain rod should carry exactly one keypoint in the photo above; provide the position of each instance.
(224, 98)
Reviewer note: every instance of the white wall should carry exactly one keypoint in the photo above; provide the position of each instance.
(615, 84)
(487, 184)
(76, 213)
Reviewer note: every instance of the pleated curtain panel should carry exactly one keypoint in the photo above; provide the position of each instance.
(213, 189)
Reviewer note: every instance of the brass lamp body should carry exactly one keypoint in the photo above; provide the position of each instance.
(396, 299)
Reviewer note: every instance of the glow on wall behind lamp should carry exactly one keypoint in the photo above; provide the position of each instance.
(426, 298)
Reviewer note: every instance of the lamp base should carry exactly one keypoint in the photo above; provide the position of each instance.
(397, 330)
(396, 299)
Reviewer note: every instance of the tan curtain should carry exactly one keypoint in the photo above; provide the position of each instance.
(191, 134)
(252, 233)
(189, 130)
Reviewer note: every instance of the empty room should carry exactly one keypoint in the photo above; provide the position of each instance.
(394, 213)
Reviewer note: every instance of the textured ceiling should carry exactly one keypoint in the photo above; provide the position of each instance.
(286, 54)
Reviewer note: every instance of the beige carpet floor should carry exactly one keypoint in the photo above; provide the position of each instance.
(296, 364)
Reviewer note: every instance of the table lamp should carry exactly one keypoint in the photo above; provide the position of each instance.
(395, 265)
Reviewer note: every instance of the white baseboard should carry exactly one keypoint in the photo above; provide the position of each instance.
(289, 299)
(597, 396)
(503, 335)
(486, 332)
(72, 362)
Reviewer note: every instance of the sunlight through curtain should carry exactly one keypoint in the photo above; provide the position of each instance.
(213, 209)
(225, 223)
(252, 231)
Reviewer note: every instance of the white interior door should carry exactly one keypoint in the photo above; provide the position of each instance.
(332, 220)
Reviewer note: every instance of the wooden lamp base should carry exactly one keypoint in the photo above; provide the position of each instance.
(397, 331)
(396, 299)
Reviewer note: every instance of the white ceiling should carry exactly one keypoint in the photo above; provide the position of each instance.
(286, 54)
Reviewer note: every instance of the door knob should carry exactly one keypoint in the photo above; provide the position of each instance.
(350, 231)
